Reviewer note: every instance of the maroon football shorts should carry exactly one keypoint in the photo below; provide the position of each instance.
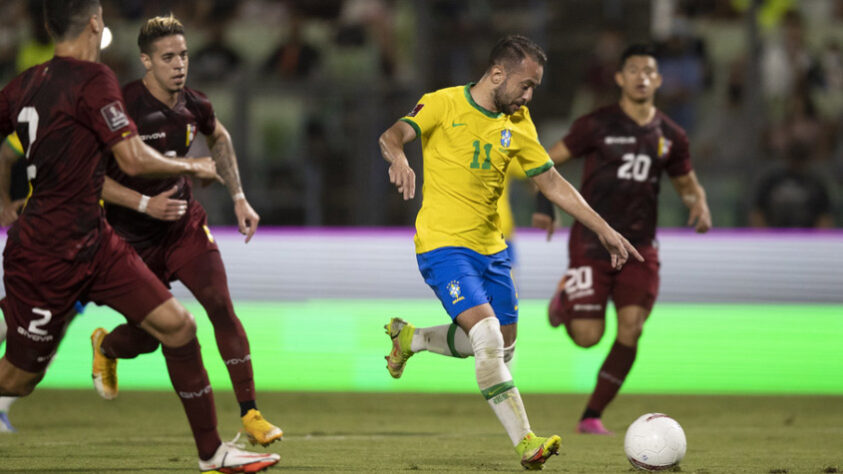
(41, 291)
(589, 283)
(187, 239)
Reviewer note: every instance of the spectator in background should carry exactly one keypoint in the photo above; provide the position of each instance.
(801, 125)
(294, 58)
(601, 69)
(686, 74)
(216, 60)
(792, 196)
(12, 15)
(722, 143)
(787, 65)
(39, 47)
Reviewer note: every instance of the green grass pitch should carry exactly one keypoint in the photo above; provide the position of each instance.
(144, 431)
(757, 388)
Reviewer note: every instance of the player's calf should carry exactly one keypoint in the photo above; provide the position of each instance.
(15, 382)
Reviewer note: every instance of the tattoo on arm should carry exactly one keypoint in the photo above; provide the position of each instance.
(222, 150)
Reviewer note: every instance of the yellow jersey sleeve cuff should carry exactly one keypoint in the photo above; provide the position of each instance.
(541, 169)
(414, 125)
(14, 143)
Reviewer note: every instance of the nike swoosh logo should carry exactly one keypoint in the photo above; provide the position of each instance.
(498, 391)
(455, 124)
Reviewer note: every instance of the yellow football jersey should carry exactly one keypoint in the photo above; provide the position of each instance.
(504, 206)
(467, 150)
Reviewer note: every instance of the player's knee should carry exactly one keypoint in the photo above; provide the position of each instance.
(179, 329)
(487, 342)
(216, 304)
(509, 352)
(586, 336)
(630, 331)
(486, 339)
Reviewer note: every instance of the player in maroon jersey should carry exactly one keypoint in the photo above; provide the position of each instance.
(168, 115)
(626, 147)
(67, 113)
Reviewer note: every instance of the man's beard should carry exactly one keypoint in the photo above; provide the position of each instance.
(501, 104)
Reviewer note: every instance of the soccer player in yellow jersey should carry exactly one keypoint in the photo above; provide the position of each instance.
(505, 208)
(469, 135)
(10, 151)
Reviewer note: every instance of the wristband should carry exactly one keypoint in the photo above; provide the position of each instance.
(144, 201)
(238, 196)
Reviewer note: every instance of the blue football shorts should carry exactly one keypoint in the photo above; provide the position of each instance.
(463, 279)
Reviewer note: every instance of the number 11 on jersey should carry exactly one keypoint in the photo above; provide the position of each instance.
(475, 162)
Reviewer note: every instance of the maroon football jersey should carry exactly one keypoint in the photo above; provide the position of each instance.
(67, 113)
(623, 166)
(170, 131)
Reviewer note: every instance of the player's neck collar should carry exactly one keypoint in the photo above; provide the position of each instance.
(477, 106)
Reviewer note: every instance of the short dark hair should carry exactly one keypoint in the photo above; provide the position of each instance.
(157, 28)
(65, 19)
(637, 49)
(512, 49)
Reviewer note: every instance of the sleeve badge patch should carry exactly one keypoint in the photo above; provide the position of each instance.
(114, 116)
(415, 110)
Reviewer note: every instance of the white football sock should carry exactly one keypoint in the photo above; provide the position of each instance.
(449, 340)
(6, 402)
(495, 381)
(508, 355)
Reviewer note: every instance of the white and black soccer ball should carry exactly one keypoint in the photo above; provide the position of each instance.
(654, 442)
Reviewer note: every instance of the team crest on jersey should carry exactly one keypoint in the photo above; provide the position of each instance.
(415, 110)
(664, 146)
(114, 116)
(454, 291)
(506, 137)
(191, 132)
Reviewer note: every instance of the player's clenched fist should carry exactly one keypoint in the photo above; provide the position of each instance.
(403, 177)
(205, 169)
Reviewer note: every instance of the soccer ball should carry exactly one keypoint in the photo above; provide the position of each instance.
(654, 442)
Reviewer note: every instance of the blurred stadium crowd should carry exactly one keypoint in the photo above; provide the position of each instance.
(306, 86)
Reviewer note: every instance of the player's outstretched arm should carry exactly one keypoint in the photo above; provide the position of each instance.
(564, 195)
(136, 158)
(9, 209)
(543, 216)
(222, 151)
(392, 148)
(693, 195)
(160, 206)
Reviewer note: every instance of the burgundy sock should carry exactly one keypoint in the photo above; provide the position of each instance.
(205, 278)
(127, 341)
(611, 376)
(194, 390)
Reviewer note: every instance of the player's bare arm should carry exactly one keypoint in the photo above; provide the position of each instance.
(563, 194)
(693, 196)
(222, 151)
(392, 148)
(9, 209)
(161, 206)
(136, 158)
(559, 153)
